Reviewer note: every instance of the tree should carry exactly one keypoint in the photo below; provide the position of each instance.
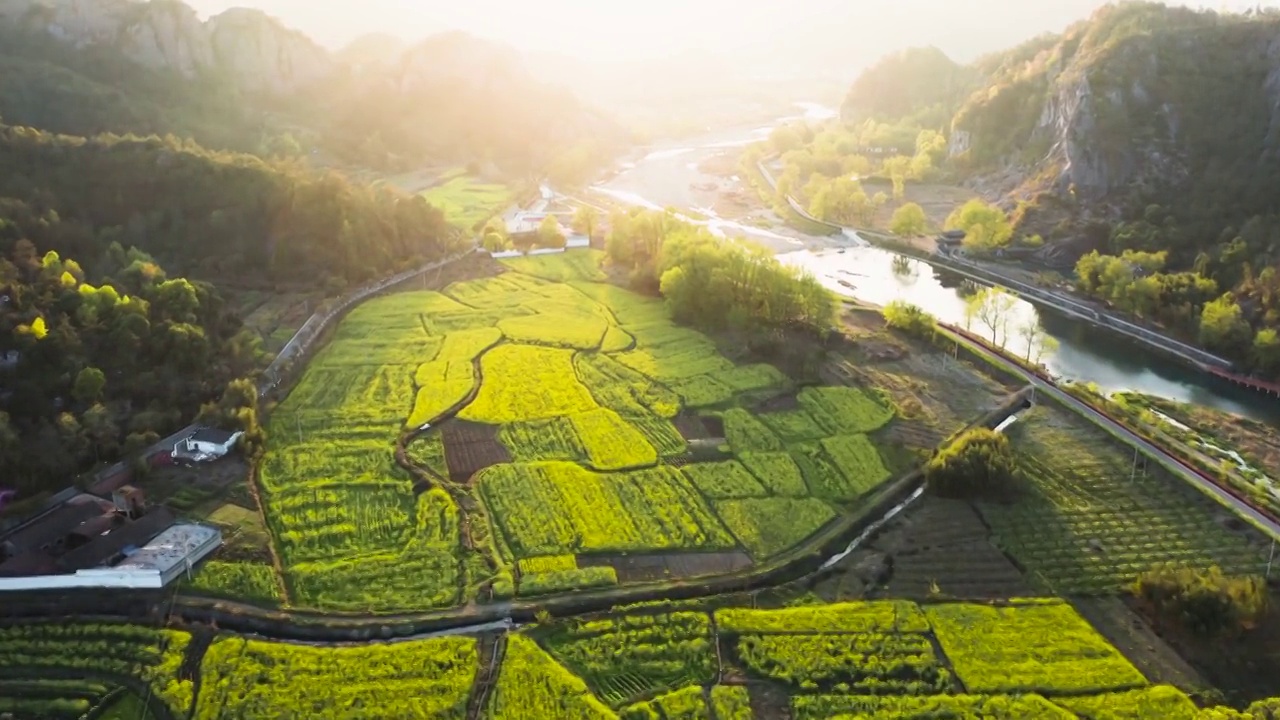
(549, 233)
(908, 221)
(1266, 352)
(1222, 325)
(994, 308)
(897, 168)
(585, 221)
(1038, 341)
(980, 463)
(88, 385)
(986, 226)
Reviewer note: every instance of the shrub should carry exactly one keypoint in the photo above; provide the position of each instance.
(1204, 601)
(909, 318)
(980, 463)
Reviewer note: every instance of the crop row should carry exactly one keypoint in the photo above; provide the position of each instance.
(111, 650)
(859, 663)
(631, 656)
(556, 508)
(1091, 522)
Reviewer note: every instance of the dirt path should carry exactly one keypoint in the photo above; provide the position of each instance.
(492, 649)
(276, 563)
(1129, 632)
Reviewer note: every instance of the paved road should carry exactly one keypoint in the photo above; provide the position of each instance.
(1153, 451)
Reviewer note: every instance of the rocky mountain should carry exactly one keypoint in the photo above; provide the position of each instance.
(254, 50)
(241, 80)
(1139, 104)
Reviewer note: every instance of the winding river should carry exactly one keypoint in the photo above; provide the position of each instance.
(670, 176)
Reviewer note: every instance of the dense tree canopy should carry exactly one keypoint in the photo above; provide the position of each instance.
(212, 215)
(716, 284)
(105, 363)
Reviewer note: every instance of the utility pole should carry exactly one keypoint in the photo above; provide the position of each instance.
(1271, 558)
(1133, 474)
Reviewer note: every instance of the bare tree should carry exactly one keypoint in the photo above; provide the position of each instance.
(994, 308)
(1038, 341)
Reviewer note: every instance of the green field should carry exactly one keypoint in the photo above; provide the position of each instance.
(882, 659)
(466, 201)
(550, 399)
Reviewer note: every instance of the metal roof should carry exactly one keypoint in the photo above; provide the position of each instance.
(169, 549)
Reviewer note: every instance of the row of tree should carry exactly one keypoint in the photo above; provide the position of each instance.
(1192, 303)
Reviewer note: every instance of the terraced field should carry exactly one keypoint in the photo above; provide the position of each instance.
(536, 408)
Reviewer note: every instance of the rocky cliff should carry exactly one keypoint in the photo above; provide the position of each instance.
(1138, 97)
(247, 46)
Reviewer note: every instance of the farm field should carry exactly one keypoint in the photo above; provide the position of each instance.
(537, 410)
(62, 670)
(1092, 519)
(464, 200)
(881, 659)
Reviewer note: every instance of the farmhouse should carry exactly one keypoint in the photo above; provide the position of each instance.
(205, 444)
(92, 542)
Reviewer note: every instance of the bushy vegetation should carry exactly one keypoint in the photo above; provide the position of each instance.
(237, 580)
(916, 87)
(552, 451)
(110, 356)
(980, 463)
(532, 685)
(550, 508)
(98, 651)
(1203, 600)
(1022, 660)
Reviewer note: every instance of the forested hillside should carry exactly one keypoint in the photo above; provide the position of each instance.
(105, 346)
(214, 215)
(1148, 134)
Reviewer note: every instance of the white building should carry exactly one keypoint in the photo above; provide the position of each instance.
(154, 565)
(171, 553)
(206, 444)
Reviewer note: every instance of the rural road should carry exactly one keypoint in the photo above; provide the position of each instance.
(1170, 462)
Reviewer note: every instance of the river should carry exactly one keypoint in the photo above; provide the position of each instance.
(669, 176)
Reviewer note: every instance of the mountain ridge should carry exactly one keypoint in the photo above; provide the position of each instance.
(242, 80)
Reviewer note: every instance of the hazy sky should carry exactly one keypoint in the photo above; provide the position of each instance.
(635, 29)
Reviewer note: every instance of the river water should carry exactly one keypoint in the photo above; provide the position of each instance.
(669, 176)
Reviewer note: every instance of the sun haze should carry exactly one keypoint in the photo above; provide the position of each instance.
(610, 30)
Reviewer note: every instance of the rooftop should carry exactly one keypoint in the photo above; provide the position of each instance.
(54, 526)
(169, 548)
(106, 547)
(212, 435)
